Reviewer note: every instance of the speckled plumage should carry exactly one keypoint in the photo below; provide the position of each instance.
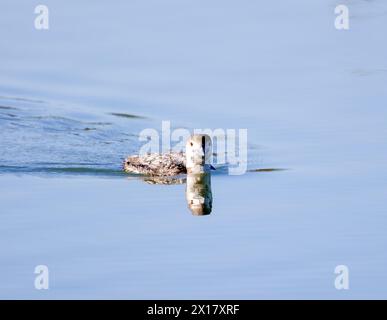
(169, 164)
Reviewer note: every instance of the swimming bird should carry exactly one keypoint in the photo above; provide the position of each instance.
(196, 159)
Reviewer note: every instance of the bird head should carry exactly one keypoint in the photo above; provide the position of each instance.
(198, 151)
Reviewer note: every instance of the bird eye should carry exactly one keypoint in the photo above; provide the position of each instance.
(191, 144)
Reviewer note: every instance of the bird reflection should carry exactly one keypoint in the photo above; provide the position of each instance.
(164, 180)
(198, 193)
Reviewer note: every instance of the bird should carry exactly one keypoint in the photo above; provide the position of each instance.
(196, 159)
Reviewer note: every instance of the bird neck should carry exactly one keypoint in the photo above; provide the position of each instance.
(198, 168)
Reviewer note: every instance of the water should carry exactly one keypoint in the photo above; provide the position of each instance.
(313, 101)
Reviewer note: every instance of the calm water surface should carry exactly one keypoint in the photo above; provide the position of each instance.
(312, 98)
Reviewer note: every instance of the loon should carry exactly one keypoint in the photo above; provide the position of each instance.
(195, 160)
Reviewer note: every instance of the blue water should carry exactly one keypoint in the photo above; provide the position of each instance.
(312, 98)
